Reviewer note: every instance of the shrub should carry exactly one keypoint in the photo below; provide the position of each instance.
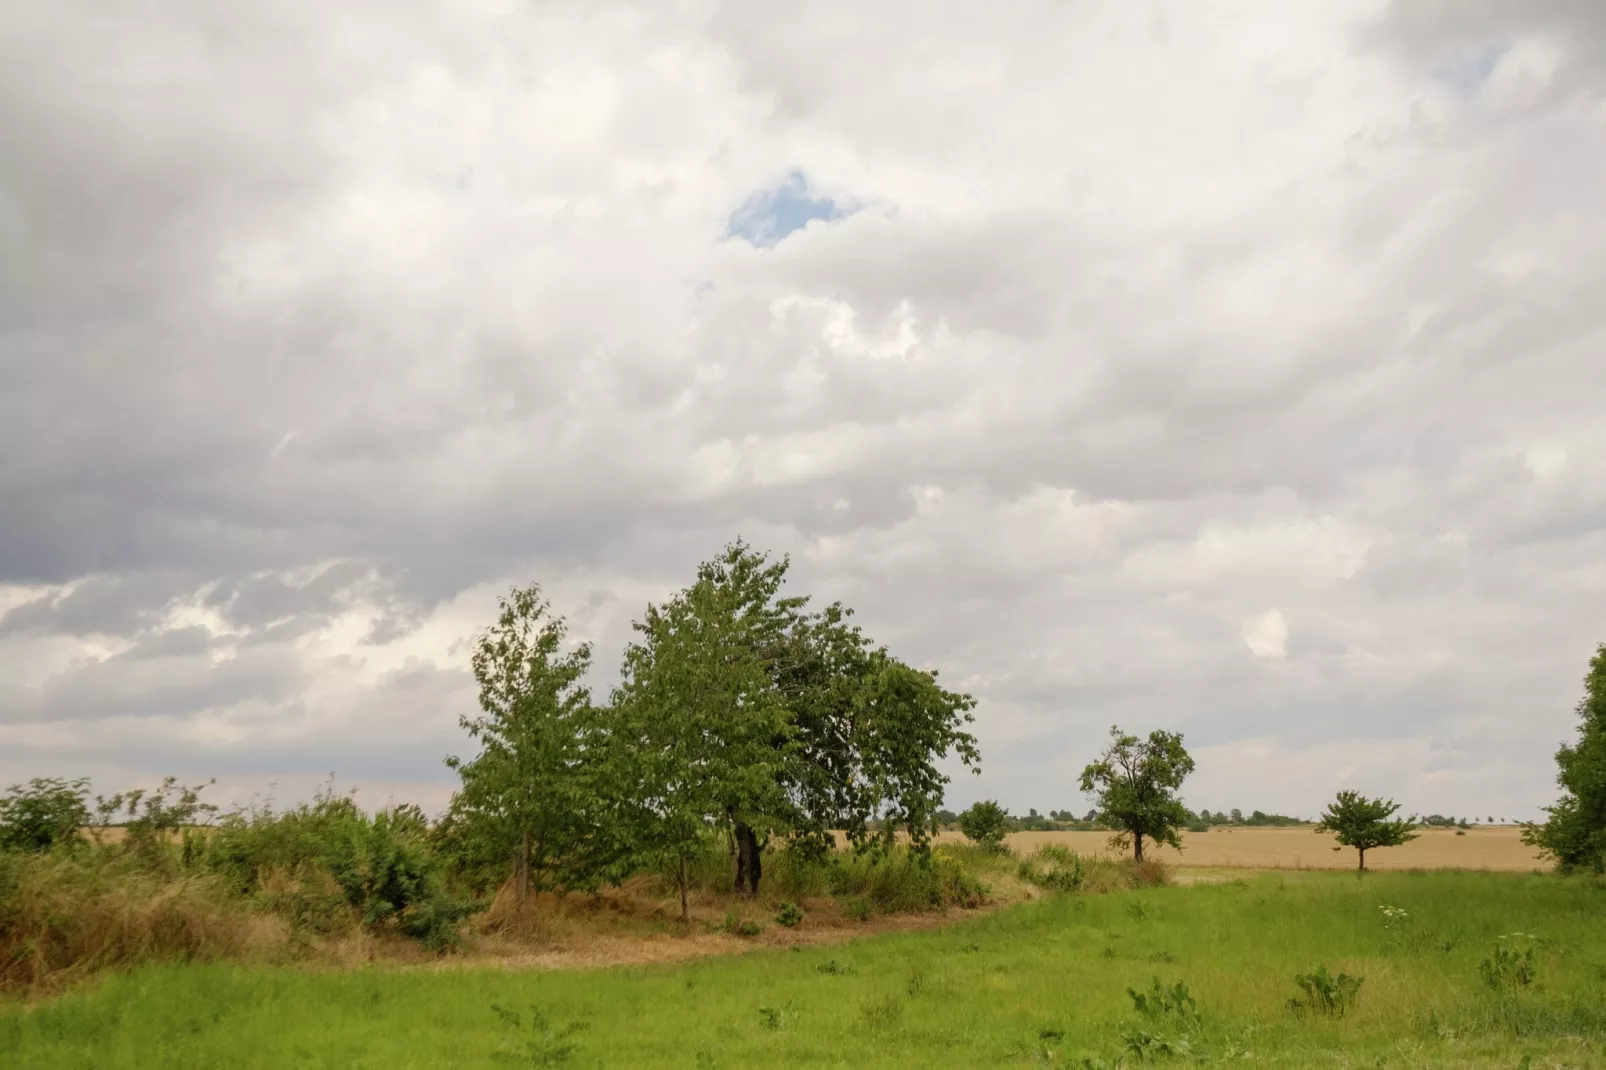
(1053, 867)
(859, 909)
(43, 814)
(1326, 994)
(985, 824)
(791, 915)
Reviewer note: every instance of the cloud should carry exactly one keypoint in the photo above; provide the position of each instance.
(1266, 635)
(1060, 341)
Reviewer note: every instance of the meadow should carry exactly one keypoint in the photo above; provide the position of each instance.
(1461, 970)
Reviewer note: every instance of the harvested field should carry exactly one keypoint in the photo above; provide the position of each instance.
(1499, 848)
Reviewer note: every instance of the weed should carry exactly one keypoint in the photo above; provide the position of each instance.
(790, 916)
(859, 909)
(833, 967)
(1137, 910)
(543, 1044)
(1508, 969)
(1146, 1046)
(1165, 1003)
(1325, 994)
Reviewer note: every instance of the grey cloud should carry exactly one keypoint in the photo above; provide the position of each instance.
(447, 305)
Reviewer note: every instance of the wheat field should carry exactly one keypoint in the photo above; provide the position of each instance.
(1498, 848)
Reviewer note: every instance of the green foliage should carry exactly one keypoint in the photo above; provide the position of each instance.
(1053, 867)
(738, 709)
(382, 866)
(790, 916)
(1364, 823)
(542, 1043)
(1162, 1003)
(152, 819)
(532, 803)
(985, 824)
(1508, 968)
(1325, 994)
(1136, 782)
(1574, 835)
(44, 813)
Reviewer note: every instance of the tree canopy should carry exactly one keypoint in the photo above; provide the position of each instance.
(1364, 823)
(738, 709)
(1136, 781)
(1574, 835)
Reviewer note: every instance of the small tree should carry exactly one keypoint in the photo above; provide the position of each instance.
(1574, 835)
(1364, 823)
(43, 814)
(528, 798)
(984, 824)
(1136, 782)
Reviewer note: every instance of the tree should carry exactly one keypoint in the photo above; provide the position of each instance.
(779, 721)
(984, 824)
(1574, 835)
(1237, 816)
(1364, 823)
(1136, 781)
(44, 813)
(530, 797)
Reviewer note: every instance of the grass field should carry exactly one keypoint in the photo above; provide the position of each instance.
(1042, 983)
(1493, 848)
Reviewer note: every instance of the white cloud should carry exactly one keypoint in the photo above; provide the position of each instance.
(1266, 635)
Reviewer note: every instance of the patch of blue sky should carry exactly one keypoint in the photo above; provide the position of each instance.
(767, 216)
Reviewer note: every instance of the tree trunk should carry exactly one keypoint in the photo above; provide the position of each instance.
(749, 864)
(1137, 847)
(1362, 868)
(680, 878)
(524, 868)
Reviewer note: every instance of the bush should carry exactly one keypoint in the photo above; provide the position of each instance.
(985, 824)
(44, 814)
(1508, 968)
(791, 915)
(1053, 867)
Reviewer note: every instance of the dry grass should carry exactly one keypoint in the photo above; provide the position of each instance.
(1496, 849)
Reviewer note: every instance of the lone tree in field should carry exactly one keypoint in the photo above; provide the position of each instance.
(1574, 834)
(1364, 823)
(984, 824)
(1136, 782)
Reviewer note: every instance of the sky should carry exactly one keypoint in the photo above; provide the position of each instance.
(1236, 369)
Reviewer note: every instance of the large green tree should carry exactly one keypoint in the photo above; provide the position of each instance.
(1136, 781)
(739, 708)
(533, 795)
(1574, 835)
(1364, 823)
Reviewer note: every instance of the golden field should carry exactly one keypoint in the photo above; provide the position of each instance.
(1497, 848)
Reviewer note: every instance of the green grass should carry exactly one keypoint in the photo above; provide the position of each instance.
(1040, 984)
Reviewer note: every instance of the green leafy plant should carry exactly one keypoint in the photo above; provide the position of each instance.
(833, 967)
(1160, 1002)
(985, 823)
(859, 909)
(1146, 1046)
(790, 916)
(1325, 994)
(777, 1017)
(43, 814)
(541, 1044)
(1507, 969)
(1053, 867)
